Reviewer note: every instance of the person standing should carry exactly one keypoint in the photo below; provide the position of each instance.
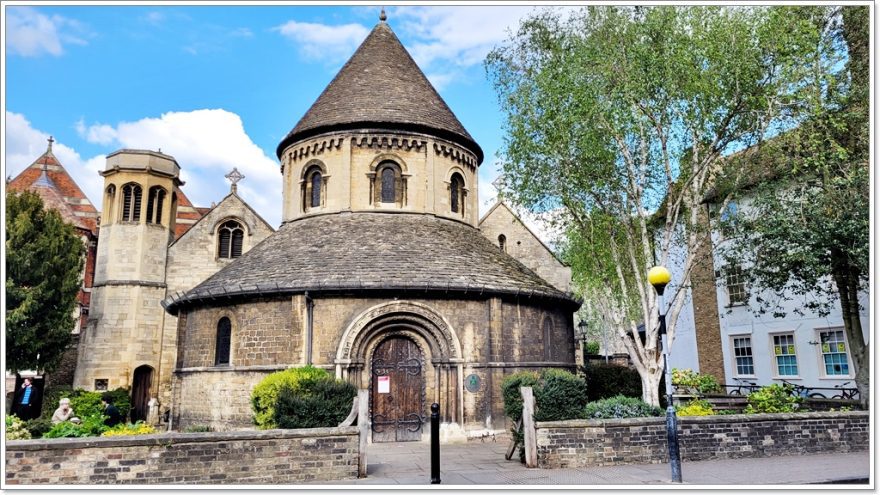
(26, 403)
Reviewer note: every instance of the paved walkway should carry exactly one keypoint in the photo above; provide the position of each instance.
(477, 463)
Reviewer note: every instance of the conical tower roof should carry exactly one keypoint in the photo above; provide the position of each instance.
(381, 87)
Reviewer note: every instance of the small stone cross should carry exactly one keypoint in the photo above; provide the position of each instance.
(234, 177)
(51, 140)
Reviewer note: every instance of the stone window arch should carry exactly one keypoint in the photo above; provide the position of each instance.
(502, 242)
(223, 342)
(155, 201)
(388, 182)
(109, 200)
(547, 334)
(230, 239)
(457, 194)
(313, 186)
(131, 202)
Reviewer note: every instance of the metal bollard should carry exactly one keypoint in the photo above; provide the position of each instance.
(435, 444)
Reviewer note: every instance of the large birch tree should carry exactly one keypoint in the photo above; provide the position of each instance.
(619, 118)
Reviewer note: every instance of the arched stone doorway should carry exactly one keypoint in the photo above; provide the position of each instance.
(410, 331)
(141, 383)
(397, 390)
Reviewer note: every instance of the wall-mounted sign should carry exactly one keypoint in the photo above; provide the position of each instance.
(472, 383)
(384, 384)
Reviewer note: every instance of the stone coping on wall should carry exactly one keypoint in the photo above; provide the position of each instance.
(714, 419)
(166, 439)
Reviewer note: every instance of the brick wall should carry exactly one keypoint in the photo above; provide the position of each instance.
(583, 443)
(272, 456)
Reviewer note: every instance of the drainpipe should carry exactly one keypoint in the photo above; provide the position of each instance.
(310, 317)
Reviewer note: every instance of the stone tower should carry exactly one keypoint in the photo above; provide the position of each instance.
(122, 343)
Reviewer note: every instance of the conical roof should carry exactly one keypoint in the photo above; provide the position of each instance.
(381, 87)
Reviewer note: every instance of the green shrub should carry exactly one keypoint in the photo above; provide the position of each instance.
(689, 381)
(39, 426)
(592, 348)
(773, 398)
(85, 403)
(15, 429)
(510, 392)
(315, 403)
(265, 394)
(560, 396)
(91, 426)
(620, 407)
(609, 380)
(121, 398)
(696, 407)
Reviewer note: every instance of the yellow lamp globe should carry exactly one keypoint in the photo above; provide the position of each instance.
(659, 276)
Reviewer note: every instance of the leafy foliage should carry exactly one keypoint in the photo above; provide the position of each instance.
(44, 259)
(694, 382)
(128, 429)
(592, 348)
(38, 426)
(265, 394)
(609, 380)
(773, 398)
(91, 426)
(620, 407)
(560, 396)
(85, 403)
(15, 428)
(697, 407)
(315, 403)
(510, 386)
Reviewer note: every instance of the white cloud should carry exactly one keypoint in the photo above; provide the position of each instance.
(324, 42)
(206, 143)
(24, 144)
(31, 34)
(241, 33)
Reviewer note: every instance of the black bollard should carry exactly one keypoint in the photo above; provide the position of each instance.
(435, 444)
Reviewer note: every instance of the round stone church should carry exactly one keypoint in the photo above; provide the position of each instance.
(379, 272)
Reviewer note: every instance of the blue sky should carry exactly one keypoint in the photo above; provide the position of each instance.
(219, 86)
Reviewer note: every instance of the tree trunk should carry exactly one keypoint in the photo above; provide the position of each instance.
(651, 386)
(847, 281)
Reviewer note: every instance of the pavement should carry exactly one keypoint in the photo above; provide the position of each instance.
(483, 463)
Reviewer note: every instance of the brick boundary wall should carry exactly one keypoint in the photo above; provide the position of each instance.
(240, 457)
(585, 443)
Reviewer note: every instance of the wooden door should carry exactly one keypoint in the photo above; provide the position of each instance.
(397, 395)
(140, 392)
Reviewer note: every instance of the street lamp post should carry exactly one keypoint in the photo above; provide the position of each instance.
(582, 338)
(659, 277)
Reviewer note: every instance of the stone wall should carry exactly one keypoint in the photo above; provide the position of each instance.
(585, 443)
(264, 457)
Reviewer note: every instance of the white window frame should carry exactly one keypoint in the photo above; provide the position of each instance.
(773, 355)
(820, 355)
(733, 357)
(741, 284)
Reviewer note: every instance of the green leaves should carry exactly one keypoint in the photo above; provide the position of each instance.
(44, 261)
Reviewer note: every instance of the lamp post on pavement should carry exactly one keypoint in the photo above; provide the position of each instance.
(659, 277)
(582, 338)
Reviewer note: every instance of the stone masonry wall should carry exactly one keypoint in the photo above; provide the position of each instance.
(584, 443)
(264, 457)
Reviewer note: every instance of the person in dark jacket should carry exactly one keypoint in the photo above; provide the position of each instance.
(112, 413)
(26, 400)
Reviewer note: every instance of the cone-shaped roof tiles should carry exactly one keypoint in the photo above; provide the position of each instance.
(382, 88)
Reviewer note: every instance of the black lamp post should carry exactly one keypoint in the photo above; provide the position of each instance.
(659, 277)
(582, 338)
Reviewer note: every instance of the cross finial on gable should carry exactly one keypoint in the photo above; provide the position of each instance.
(382, 16)
(51, 140)
(234, 177)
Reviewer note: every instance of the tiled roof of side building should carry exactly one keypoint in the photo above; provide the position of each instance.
(381, 87)
(362, 252)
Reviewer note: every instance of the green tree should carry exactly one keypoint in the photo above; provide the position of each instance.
(618, 118)
(44, 261)
(806, 232)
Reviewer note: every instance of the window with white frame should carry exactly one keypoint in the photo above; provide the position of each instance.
(742, 353)
(736, 286)
(833, 348)
(784, 354)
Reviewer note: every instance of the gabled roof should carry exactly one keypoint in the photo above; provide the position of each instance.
(48, 178)
(203, 212)
(381, 87)
(501, 202)
(371, 253)
(187, 214)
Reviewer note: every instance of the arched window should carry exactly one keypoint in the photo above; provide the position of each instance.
(502, 242)
(224, 340)
(456, 193)
(155, 200)
(230, 236)
(109, 201)
(316, 184)
(131, 203)
(388, 185)
(548, 339)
